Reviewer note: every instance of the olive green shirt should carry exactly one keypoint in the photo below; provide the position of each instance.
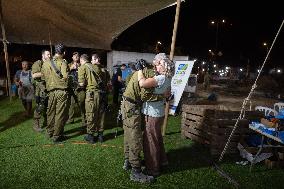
(39, 84)
(135, 92)
(128, 78)
(90, 80)
(52, 79)
(36, 67)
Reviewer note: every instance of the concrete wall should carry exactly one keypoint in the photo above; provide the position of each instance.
(123, 57)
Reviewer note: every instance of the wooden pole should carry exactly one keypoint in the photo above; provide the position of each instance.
(4, 40)
(49, 37)
(171, 58)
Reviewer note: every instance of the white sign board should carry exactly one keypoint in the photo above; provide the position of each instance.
(182, 72)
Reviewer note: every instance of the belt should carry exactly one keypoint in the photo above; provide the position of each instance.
(58, 90)
(131, 100)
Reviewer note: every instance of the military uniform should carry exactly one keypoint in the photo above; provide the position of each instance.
(58, 102)
(131, 116)
(93, 97)
(40, 97)
(128, 78)
(81, 94)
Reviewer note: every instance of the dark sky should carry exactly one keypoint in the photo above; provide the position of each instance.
(248, 25)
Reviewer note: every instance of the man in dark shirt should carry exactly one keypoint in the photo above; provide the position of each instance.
(117, 83)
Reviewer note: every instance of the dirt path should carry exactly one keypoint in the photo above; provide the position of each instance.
(234, 102)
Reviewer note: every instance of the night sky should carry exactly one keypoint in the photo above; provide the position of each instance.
(247, 26)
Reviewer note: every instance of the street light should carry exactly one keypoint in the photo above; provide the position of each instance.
(217, 22)
(157, 46)
(266, 46)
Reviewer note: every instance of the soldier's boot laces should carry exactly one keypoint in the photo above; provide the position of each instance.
(126, 165)
(137, 176)
(100, 137)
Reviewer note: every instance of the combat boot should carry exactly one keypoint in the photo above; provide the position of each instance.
(100, 137)
(126, 165)
(90, 138)
(137, 176)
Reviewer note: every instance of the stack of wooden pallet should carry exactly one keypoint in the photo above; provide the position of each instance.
(213, 124)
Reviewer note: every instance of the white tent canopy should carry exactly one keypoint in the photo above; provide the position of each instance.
(76, 23)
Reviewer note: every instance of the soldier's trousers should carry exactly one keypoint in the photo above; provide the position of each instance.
(103, 109)
(57, 112)
(72, 108)
(92, 106)
(81, 98)
(131, 117)
(41, 108)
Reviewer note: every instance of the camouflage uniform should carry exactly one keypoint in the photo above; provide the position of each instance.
(40, 97)
(58, 102)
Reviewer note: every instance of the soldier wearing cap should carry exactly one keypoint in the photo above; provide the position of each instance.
(55, 74)
(40, 92)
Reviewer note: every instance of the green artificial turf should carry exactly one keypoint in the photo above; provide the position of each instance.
(29, 160)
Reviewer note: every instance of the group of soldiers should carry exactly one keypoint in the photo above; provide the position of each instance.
(85, 83)
(82, 82)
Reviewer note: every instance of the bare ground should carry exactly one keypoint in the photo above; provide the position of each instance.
(231, 101)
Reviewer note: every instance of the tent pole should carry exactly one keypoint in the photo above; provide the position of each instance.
(171, 58)
(4, 40)
(49, 36)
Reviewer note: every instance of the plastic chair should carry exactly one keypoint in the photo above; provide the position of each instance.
(278, 106)
(267, 111)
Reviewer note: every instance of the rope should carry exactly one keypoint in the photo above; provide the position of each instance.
(242, 113)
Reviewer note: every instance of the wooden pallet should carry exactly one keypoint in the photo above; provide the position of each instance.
(195, 122)
(213, 124)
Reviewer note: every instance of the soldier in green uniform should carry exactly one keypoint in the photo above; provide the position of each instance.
(133, 69)
(104, 95)
(73, 75)
(90, 77)
(55, 74)
(131, 118)
(40, 92)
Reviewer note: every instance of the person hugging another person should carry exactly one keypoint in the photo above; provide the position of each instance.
(154, 151)
(23, 80)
